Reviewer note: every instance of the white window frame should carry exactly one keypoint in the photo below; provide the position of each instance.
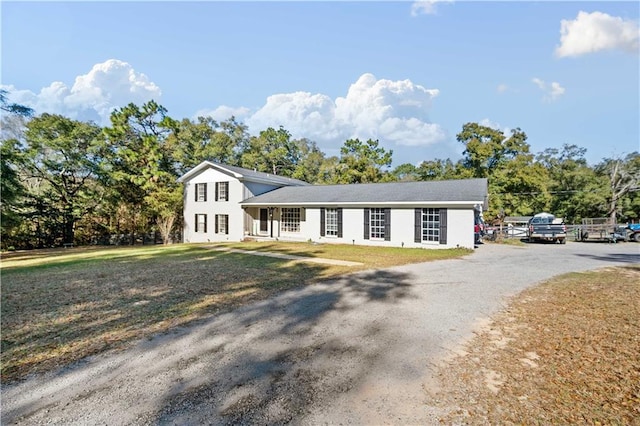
(201, 223)
(331, 222)
(223, 191)
(201, 191)
(376, 223)
(223, 224)
(430, 225)
(290, 219)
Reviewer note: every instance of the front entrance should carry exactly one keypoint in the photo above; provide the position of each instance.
(264, 220)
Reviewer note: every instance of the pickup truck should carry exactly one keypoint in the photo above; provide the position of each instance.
(633, 232)
(547, 227)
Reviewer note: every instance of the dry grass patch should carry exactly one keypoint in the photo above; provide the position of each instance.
(59, 306)
(565, 352)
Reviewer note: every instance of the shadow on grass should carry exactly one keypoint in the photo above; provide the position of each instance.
(613, 257)
(260, 363)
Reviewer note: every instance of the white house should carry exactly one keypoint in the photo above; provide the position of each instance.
(226, 203)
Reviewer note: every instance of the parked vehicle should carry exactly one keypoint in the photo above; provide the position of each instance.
(600, 229)
(479, 227)
(633, 232)
(547, 227)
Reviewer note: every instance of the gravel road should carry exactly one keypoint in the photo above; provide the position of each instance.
(356, 350)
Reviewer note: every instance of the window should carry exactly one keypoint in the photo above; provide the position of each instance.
(290, 220)
(201, 192)
(222, 191)
(331, 223)
(201, 223)
(222, 223)
(431, 225)
(377, 224)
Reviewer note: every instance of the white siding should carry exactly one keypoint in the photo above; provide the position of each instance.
(459, 229)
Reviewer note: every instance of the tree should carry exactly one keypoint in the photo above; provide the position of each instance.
(193, 142)
(363, 162)
(487, 149)
(272, 151)
(577, 191)
(309, 166)
(623, 177)
(440, 169)
(13, 108)
(11, 160)
(141, 170)
(63, 154)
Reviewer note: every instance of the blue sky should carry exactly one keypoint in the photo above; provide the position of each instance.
(409, 74)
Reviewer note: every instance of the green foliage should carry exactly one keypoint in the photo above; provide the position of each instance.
(64, 180)
(62, 160)
(487, 149)
(272, 151)
(363, 162)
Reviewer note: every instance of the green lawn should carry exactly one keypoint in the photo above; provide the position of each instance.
(59, 306)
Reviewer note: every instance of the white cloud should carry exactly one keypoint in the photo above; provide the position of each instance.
(502, 88)
(391, 111)
(108, 85)
(426, 7)
(593, 32)
(394, 112)
(496, 126)
(224, 112)
(551, 92)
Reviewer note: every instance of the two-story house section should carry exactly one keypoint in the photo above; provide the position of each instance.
(226, 203)
(212, 196)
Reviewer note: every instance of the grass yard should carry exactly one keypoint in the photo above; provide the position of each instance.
(565, 352)
(59, 306)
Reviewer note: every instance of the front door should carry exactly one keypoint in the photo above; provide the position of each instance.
(264, 220)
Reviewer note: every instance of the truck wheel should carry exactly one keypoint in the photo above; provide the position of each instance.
(636, 237)
(563, 241)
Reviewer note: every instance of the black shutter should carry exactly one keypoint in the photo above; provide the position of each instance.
(418, 226)
(322, 221)
(217, 185)
(387, 224)
(205, 223)
(226, 228)
(366, 224)
(216, 228)
(196, 222)
(443, 226)
(205, 191)
(340, 222)
(196, 192)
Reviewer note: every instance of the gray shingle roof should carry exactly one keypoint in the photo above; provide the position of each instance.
(245, 174)
(463, 190)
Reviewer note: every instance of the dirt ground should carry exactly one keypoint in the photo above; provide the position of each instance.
(363, 349)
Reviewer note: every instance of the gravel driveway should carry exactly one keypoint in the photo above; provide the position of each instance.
(356, 350)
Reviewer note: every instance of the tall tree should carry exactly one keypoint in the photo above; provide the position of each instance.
(363, 162)
(11, 160)
(272, 151)
(64, 155)
(623, 177)
(311, 160)
(577, 191)
(205, 139)
(487, 149)
(141, 170)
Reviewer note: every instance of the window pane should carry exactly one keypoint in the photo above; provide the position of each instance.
(201, 191)
(431, 225)
(290, 220)
(376, 223)
(223, 191)
(331, 222)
